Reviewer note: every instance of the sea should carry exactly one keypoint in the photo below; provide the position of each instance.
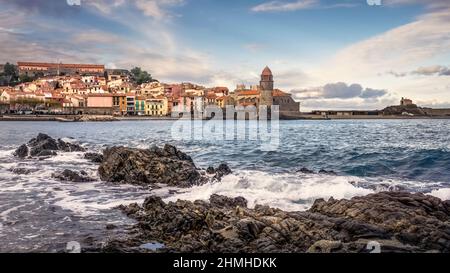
(305, 160)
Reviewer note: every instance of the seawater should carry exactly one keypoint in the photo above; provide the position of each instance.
(38, 213)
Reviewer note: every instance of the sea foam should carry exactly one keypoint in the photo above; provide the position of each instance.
(290, 192)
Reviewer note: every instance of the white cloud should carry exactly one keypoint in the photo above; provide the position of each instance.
(157, 8)
(433, 70)
(285, 6)
(282, 6)
(398, 49)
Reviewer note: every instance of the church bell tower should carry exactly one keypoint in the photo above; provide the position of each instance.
(266, 85)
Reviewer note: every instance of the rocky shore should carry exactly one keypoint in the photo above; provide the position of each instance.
(391, 221)
(394, 221)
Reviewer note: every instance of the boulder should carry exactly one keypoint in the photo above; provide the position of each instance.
(73, 176)
(227, 202)
(23, 171)
(149, 166)
(94, 157)
(219, 172)
(305, 170)
(22, 151)
(45, 146)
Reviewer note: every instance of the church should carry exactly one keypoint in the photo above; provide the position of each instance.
(265, 94)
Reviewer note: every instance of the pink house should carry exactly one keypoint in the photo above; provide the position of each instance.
(100, 101)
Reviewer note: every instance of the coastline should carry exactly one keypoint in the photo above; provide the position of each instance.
(97, 118)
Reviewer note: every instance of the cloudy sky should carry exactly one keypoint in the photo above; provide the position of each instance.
(329, 54)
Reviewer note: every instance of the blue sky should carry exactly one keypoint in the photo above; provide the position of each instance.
(400, 48)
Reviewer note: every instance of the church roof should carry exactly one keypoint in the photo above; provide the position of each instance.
(267, 72)
(279, 93)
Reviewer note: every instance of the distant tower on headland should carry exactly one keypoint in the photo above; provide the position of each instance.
(266, 84)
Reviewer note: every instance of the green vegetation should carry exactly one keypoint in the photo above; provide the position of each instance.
(9, 74)
(140, 76)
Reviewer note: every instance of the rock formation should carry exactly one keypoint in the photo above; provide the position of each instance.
(73, 176)
(94, 157)
(43, 145)
(396, 221)
(165, 165)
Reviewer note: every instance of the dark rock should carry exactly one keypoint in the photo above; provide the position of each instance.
(45, 146)
(110, 226)
(227, 202)
(23, 171)
(68, 175)
(210, 170)
(22, 151)
(327, 172)
(94, 157)
(138, 166)
(305, 170)
(69, 147)
(397, 221)
(221, 171)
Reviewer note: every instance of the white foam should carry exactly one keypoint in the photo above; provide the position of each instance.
(68, 157)
(4, 214)
(290, 192)
(6, 153)
(443, 194)
(105, 197)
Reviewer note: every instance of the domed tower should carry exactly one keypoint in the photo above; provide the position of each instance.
(266, 84)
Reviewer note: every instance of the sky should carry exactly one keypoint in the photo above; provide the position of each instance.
(328, 54)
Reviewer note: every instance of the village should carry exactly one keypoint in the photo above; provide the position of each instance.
(89, 89)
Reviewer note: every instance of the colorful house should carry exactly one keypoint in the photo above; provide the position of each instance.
(157, 107)
(139, 103)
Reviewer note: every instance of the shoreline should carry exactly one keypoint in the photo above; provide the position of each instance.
(95, 118)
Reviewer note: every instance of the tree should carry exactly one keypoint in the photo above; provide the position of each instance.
(140, 76)
(25, 78)
(10, 70)
(9, 74)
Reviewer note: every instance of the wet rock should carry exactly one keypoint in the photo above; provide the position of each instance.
(227, 202)
(69, 147)
(305, 170)
(22, 151)
(149, 166)
(23, 171)
(221, 171)
(210, 170)
(110, 226)
(45, 146)
(392, 221)
(415, 219)
(327, 172)
(94, 157)
(73, 176)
